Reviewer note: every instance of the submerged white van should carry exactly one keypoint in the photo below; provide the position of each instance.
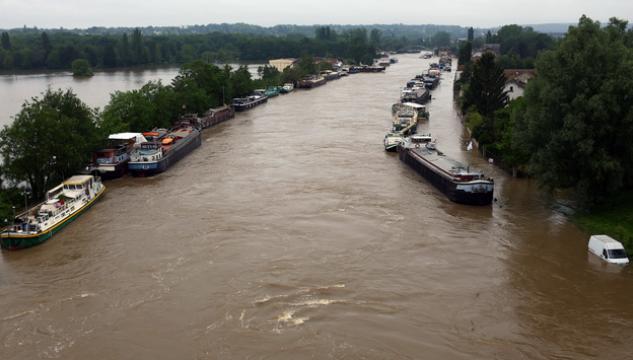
(608, 249)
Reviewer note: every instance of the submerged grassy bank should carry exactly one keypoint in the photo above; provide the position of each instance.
(615, 219)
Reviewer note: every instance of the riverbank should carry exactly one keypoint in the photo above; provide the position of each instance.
(615, 219)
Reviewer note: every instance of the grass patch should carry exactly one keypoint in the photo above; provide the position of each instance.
(614, 218)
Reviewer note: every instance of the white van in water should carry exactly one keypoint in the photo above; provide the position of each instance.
(608, 249)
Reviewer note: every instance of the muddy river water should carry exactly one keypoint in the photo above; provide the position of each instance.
(291, 234)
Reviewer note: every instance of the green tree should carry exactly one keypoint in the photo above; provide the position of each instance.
(82, 68)
(6, 41)
(109, 56)
(375, 38)
(138, 50)
(325, 33)
(465, 53)
(306, 65)
(241, 82)
(46, 44)
(486, 88)
(152, 106)
(580, 112)
(471, 34)
(441, 39)
(51, 137)
(124, 50)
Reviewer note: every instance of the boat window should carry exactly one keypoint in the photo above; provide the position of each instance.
(616, 254)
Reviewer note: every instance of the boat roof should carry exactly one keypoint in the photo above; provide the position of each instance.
(124, 136)
(78, 180)
(414, 105)
(445, 163)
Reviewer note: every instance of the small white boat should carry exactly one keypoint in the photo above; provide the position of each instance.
(392, 140)
(287, 88)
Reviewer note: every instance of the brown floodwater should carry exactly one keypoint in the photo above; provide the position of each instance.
(291, 234)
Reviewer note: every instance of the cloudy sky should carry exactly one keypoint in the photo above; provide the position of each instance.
(483, 13)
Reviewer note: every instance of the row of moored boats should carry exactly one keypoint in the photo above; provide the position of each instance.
(139, 154)
(457, 181)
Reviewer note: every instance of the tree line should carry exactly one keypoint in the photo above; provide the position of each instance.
(572, 128)
(518, 46)
(31, 50)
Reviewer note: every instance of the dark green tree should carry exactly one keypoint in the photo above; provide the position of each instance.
(325, 33)
(109, 56)
(124, 50)
(375, 38)
(151, 106)
(580, 112)
(82, 68)
(465, 53)
(306, 65)
(52, 136)
(46, 44)
(6, 41)
(471, 34)
(441, 39)
(486, 88)
(241, 82)
(138, 50)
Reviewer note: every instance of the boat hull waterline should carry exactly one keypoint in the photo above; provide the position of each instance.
(18, 242)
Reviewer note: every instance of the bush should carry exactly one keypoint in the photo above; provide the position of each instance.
(82, 68)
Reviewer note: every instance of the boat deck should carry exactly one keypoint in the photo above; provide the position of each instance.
(444, 163)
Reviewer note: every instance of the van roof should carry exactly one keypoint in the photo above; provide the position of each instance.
(609, 242)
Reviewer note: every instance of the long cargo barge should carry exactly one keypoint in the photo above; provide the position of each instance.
(210, 118)
(249, 102)
(163, 149)
(311, 82)
(458, 182)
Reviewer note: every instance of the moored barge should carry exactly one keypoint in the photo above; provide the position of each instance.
(249, 102)
(111, 162)
(310, 82)
(163, 149)
(458, 182)
(64, 203)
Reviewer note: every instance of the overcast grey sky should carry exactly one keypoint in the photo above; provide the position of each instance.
(482, 13)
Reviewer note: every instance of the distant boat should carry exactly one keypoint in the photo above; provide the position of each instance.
(392, 140)
(64, 203)
(310, 82)
(249, 102)
(272, 91)
(287, 88)
(405, 119)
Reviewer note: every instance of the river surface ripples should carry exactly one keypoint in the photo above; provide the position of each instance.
(291, 234)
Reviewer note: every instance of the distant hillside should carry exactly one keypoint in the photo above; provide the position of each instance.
(554, 28)
(390, 30)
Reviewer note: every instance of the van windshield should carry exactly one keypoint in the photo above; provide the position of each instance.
(617, 254)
